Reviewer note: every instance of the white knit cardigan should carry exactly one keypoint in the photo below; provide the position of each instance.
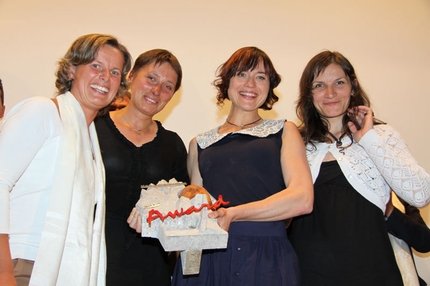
(380, 161)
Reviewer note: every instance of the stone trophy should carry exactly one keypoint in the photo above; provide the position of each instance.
(181, 223)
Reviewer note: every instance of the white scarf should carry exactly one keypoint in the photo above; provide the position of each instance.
(72, 248)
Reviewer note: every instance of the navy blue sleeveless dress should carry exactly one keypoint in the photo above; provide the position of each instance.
(244, 167)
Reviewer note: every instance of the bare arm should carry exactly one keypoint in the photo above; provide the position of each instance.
(193, 164)
(296, 199)
(6, 266)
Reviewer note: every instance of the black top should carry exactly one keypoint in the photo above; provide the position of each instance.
(133, 260)
(344, 241)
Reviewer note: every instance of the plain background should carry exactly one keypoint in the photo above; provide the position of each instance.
(387, 41)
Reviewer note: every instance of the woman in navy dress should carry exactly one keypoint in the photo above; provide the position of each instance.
(259, 166)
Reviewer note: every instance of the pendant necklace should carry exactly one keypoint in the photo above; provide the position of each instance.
(134, 129)
(244, 125)
(338, 140)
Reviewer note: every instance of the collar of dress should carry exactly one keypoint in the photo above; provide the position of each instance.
(265, 128)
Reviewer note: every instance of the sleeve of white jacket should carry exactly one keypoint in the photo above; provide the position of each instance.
(399, 168)
(24, 131)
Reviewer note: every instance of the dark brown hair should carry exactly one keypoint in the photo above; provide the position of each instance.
(246, 59)
(158, 57)
(313, 126)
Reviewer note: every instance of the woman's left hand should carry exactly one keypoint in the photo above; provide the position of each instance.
(135, 220)
(364, 119)
(222, 217)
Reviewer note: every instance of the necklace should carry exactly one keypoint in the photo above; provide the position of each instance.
(338, 141)
(134, 129)
(243, 126)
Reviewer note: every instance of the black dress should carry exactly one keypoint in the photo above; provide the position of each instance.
(344, 241)
(131, 259)
(244, 167)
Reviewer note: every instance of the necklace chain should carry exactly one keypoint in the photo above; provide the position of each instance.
(244, 125)
(134, 129)
(338, 142)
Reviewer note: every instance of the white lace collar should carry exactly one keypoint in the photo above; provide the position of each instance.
(267, 127)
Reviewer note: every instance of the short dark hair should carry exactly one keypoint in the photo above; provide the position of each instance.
(158, 57)
(244, 59)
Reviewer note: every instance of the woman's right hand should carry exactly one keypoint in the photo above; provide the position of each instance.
(223, 217)
(134, 220)
(364, 119)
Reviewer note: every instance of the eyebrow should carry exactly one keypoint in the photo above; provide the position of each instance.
(334, 79)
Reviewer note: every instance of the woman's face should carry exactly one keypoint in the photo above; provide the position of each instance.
(152, 87)
(331, 92)
(96, 84)
(248, 90)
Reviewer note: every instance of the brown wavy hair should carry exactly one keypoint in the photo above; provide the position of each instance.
(246, 59)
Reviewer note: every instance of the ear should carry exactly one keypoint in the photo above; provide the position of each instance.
(71, 72)
(130, 76)
(355, 82)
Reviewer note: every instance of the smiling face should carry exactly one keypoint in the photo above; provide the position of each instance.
(96, 84)
(331, 92)
(152, 87)
(248, 90)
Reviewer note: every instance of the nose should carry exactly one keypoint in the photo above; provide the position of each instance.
(250, 82)
(156, 89)
(329, 92)
(105, 75)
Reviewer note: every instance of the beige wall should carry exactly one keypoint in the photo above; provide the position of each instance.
(387, 41)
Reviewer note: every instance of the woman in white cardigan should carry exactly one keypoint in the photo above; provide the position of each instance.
(355, 160)
(52, 175)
